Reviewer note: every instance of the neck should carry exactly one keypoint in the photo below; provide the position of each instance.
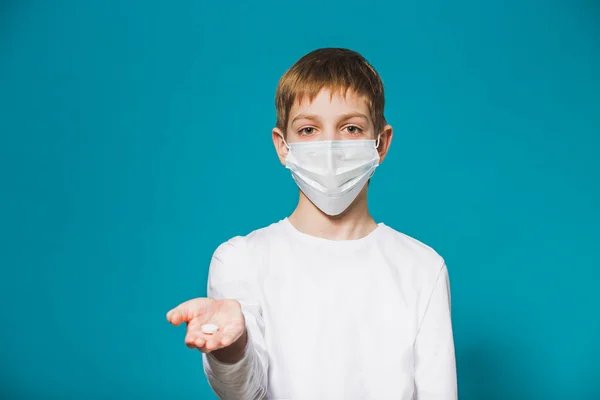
(354, 223)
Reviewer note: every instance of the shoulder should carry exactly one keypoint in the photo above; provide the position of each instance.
(243, 245)
(411, 254)
(419, 265)
(232, 265)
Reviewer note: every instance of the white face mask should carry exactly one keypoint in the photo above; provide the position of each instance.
(332, 173)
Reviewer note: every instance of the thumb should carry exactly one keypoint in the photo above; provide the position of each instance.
(188, 310)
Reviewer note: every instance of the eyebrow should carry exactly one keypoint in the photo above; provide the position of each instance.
(314, 117)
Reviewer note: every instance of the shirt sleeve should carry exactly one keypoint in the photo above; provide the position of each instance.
(435, 363)
(232, 277)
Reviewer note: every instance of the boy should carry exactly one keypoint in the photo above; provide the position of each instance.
(326, 304)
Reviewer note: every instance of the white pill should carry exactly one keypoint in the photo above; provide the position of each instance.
(209, 329)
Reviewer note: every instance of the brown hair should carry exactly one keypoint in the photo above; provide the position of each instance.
(335, 69)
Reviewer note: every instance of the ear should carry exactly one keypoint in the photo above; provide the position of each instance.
(385, 140)
(280, 146)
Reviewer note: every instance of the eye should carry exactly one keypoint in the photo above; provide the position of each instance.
(353, 130)
(309, 130)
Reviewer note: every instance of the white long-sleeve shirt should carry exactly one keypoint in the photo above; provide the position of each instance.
(352, 319)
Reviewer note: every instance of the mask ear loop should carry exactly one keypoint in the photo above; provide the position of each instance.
(285, 143)
(378, 139)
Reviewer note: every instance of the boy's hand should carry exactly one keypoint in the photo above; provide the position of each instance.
(226, 314)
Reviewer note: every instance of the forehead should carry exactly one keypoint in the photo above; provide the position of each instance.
(331, 103)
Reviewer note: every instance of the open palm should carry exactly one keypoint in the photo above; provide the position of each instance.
(225, 314)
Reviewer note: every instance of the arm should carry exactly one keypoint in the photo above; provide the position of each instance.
(435, 364)
(238, 371)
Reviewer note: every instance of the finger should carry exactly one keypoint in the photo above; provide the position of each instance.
(212, 344)
(193, 341)
(228, 338)
(175, 317)
(190, 342)
(232, 333)
(226, 341)
(187, 311)
(199, 342)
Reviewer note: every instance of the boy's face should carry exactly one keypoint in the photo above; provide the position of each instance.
(327, 117)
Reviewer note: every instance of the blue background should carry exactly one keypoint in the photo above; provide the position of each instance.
(135, 138)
